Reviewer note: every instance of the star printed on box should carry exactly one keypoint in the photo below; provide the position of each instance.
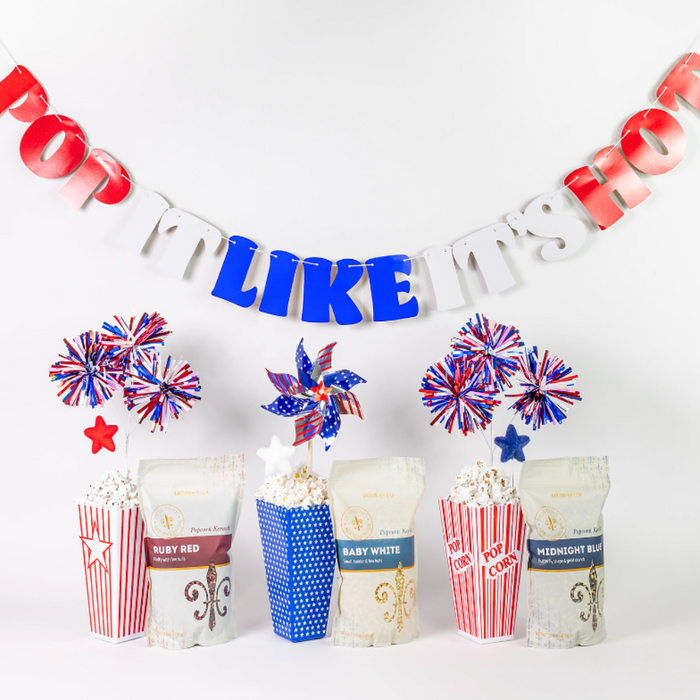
(101, 435)
(277, 457)
(316, 397)
(512, 445)
(97, 549)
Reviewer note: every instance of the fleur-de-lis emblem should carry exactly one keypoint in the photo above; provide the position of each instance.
(211, 593)
(167, 521)
(403, 593)
(594, 590)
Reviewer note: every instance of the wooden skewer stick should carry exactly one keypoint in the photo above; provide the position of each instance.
(310, 452)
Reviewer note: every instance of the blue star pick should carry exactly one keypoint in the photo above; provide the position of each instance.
(512, 445)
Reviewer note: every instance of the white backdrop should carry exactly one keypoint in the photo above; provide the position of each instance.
(353, 129)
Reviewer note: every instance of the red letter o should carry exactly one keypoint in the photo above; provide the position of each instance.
(666, 128)
(69, 154)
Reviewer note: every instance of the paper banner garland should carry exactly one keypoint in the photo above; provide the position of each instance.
(328, 286)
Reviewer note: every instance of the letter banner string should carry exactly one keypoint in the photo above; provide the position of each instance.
(327, 285)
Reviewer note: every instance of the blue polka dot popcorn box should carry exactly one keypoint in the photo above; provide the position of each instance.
(299, 554)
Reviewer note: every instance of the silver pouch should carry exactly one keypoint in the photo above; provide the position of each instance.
(562, 501)
(373, 502)
(190, 510)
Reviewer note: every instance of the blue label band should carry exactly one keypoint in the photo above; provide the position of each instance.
(376, 555)
(565, 555)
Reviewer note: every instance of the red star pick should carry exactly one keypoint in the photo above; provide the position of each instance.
(101, 435)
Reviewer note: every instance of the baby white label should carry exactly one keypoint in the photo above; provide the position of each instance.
(459, 559)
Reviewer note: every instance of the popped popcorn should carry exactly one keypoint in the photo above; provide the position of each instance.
(483, 486)
(115, 490)
(300, 489)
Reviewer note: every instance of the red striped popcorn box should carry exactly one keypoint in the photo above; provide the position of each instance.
(115, 571)
(484, 549)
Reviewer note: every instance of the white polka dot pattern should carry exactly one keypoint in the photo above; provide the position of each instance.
(299, 554)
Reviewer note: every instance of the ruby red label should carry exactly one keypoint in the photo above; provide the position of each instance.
(188, 552)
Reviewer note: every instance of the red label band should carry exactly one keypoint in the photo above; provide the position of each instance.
(188, 552)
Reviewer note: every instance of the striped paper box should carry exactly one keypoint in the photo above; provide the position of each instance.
(299, 554)
(115, 571)
(484, 549)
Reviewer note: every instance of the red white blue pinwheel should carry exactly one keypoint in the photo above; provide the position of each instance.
(547, 389)
(86, 374)
(316, 397)
(490, 349)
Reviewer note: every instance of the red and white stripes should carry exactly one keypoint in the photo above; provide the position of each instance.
(484, 554)
(114, 564)
(346, 402)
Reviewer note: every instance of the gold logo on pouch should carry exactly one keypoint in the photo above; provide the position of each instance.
(356, 523)
(167, 521)
(550, 523)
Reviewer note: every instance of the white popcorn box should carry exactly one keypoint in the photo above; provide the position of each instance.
(114, 562)
(484, 547)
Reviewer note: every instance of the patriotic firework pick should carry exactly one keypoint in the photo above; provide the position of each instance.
(162, 389)
(548, 389)
(486, 358)
(124, 357)
(86, 374)
(132, 343)
(490, 349)
(455, 394)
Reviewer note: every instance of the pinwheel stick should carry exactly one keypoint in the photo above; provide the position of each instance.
(310, 452)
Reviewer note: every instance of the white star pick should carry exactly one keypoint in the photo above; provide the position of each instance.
(97, 549)
(276, 457)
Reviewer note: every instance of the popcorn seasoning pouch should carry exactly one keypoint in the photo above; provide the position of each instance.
(563, 502)
(190, 509)
(373, 502)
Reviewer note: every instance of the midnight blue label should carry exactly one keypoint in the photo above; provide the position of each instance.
(565, 555)
(375, 555)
